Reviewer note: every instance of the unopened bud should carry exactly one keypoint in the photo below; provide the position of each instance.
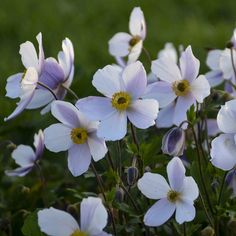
(229, 44)
(173, 142)
(208, 231)
(132, 175)
(119, 194)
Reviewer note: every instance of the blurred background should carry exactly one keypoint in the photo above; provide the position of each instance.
(90, 24)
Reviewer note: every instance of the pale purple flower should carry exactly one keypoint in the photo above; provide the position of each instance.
(26, 157)
(124, 44)
(93, 219)
(49, 72)
(178, 196)
(123, 90)
(178, 89)
(223, 147)
(75, 134)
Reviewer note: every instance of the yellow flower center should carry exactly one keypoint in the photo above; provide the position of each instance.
(79, 233)
(181, 87)
(173, 196)
(134, 41)
(121, 100)
(79, 135)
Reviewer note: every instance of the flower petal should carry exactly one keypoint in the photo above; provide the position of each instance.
(226, 63)
(143, 113)
(165, 116)
(20, 172)
(165, 69)
(66, 113)
(169, 51)
(93, 215)
(119, 44)
(79, 159)
(114, 127)
(97, 146)
(159, 213)
(137, 25)
(189, 65)
(200, 88)
(56, 222)
(161, 91)
(190, 189)
(135, 79)
(223, 149)
(176, 173)
(13, 86)
(39, 143)
(153, 186)
(213, 59)
(185, 212)
(58, 138)
(135, 52)
(95, 108)
(214, 78)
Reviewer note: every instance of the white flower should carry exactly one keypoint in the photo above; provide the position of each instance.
(75, 134)
(124, 44)
(123, 90)
(93, 219)
(178, 195)
(26, 157)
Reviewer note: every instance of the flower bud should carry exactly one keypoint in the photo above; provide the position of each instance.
(173, 142)
(208, 231)
(119, 194)
(132, 175)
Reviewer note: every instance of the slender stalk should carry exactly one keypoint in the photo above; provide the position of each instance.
(50, 90)
(119, 157)
(221, 188)
(184, 229)
(70, 91)
(134, 136)
(110, 161)
(148, 55)
(232, 60)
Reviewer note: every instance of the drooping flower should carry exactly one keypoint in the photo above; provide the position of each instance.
(123, 90)
(50, 75)
(178, 196)
(26, 157)
(93, 219)
(178, 89)
(75, 134)
(124, 44)
(223, 147)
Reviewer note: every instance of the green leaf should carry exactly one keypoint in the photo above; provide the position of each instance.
(30, 227)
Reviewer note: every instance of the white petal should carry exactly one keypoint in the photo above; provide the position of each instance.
(79, 159)
(176, 173)
(66, 113)
(135, 52)
(213, 59)
(165, 116)
(20, 172)
(162, 92)
(189, 64)
(214, 78)
(190, 189)
(223, 149)
(135, 79)
(226, 63)
(166, 70)
(137, 25)
(113, 127)
(97, 146)
(200, 88)
(55, 222)
(212, 127)
(159, 213)
(108, 80)
(226, 117)
(185, 211)
(169, 51)
(41, 52)
(93, 215)
(58, 138)
(119, 44)
(13, 87)
(153, 186)
(39, 143)
(143, 113)
(23, 155)
(95, 108)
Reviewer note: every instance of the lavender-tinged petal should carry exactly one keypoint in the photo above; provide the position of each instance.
(214, 78)
(20, 171)
(226, 63)
(135, 52)
(169, 51)
(185, 211)
(212, 127)
(213, 59)
(13, 87)
(165, 116)
(39, 144)
(41, 52)
(23, 155)
(190, 189)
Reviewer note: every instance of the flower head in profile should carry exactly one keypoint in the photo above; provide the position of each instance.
(123, 90)
(124, 44)
(93, 219)
(223, 147)
(48, 78)
(178, 89)
(75, 134)
(178, 196)
(26, 157)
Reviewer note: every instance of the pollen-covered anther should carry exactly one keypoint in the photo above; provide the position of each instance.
(181, 87)
(79, 233)
(79, 136)
(134, 41)
(173, 196)
(121, 100)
